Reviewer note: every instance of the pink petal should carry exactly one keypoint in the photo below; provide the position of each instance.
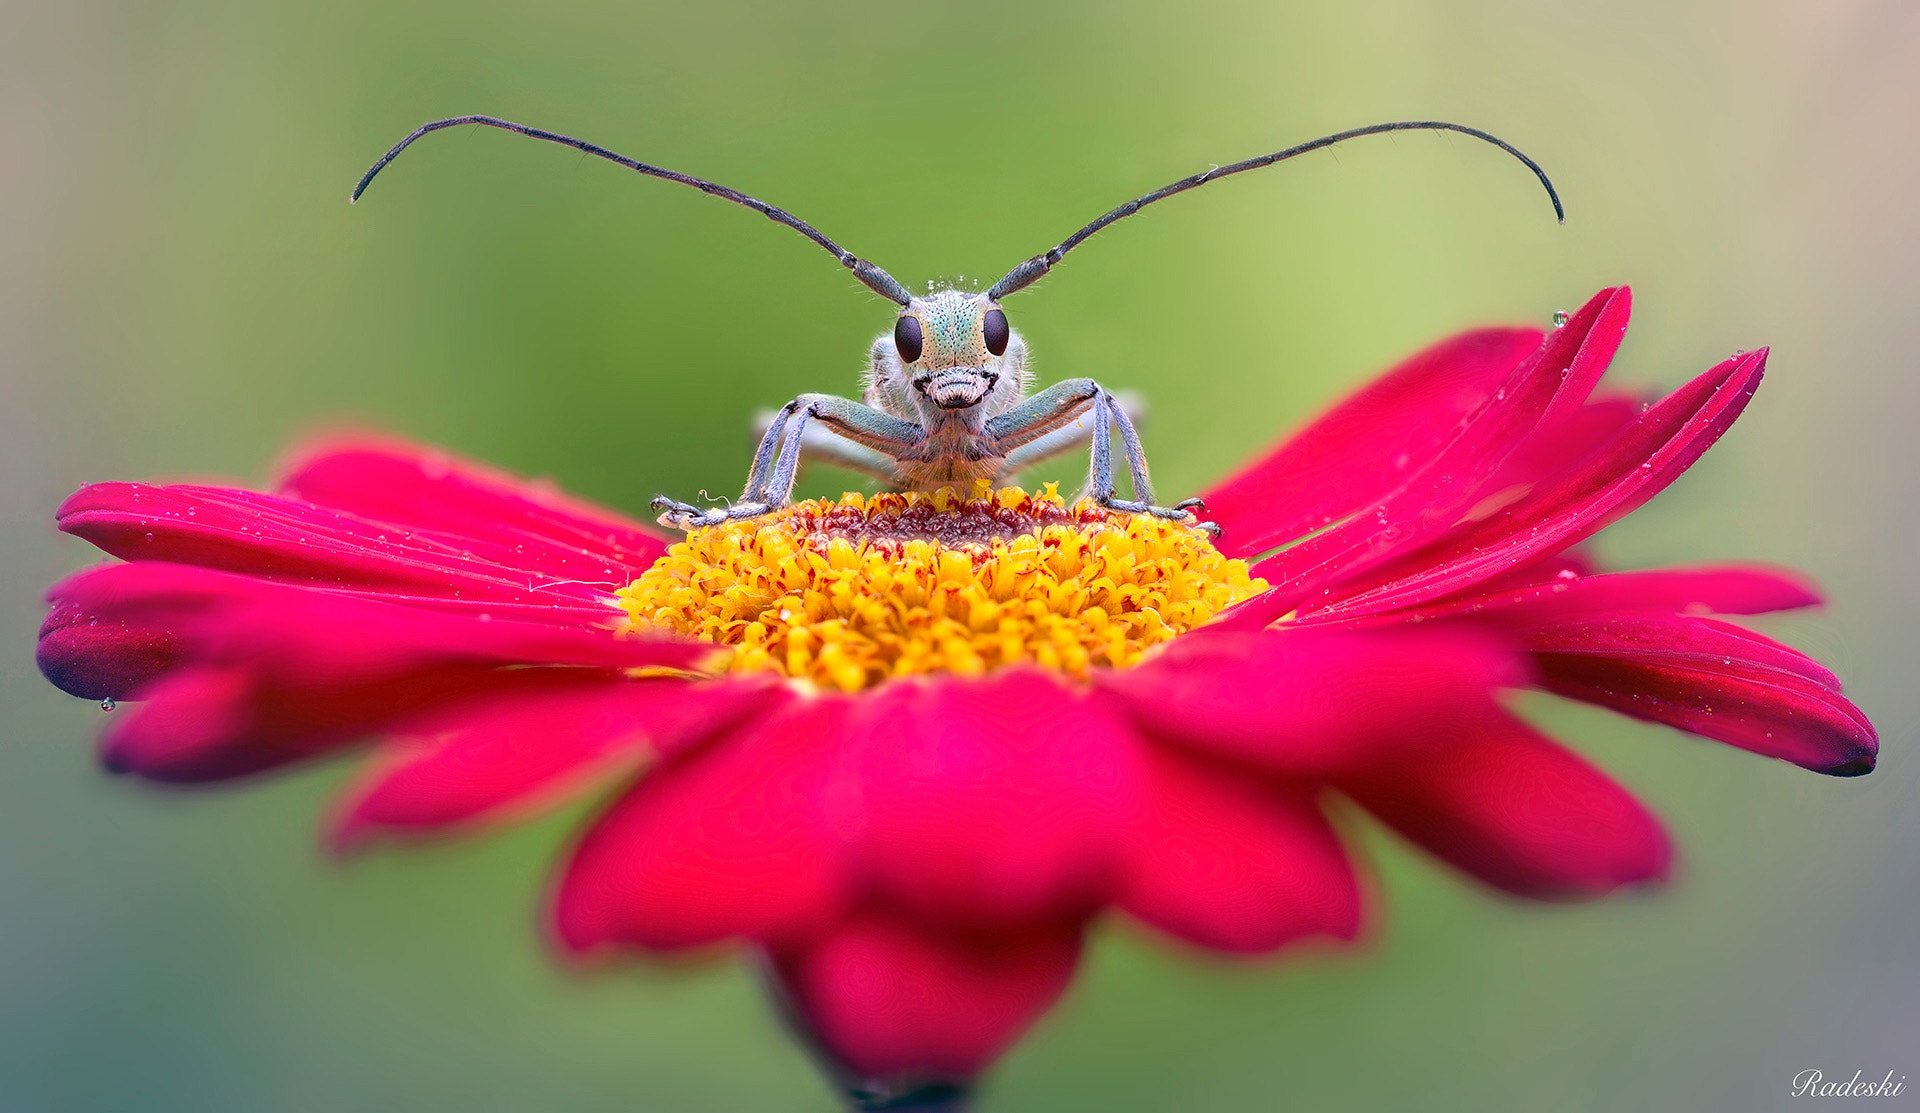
(1230, 864)
(124, 622)
(1518, 811)
(734, 839)
(245, 675)
(423, 487)
(276, 538)
(194, 728)
(1610, 484)
(1554, 446)
(1367, 444)
(1545, 391)
(1554, 567)
(994, 801)
(1713, 679)
(1550, 593)
(1310, 703)
(105, 654)
(476, 758)
(210, 722)
(893, 1001)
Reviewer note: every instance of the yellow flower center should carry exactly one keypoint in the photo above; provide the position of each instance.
(846, 594)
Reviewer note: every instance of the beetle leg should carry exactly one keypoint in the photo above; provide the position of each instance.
(1069, 436)
(1061, 406)
(821, 443)
(770, 480)
(1054, 408)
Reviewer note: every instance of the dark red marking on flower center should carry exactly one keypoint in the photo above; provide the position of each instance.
(974, 524)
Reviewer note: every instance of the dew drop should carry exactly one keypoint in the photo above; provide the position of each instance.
(1559, 318)
(108, 704)
(1567, 574)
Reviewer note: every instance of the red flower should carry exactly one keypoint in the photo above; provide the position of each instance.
(916, 780)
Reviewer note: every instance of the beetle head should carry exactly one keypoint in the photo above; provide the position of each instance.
(953, 347)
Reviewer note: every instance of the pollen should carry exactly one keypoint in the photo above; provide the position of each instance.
(850, 593)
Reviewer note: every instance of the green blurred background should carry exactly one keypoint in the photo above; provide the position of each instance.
(184, 290)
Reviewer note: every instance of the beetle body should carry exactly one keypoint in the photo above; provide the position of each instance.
(946, 402)
(945, 405)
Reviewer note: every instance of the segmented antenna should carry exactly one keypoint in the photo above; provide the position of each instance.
(877, 280)
(1034, 269)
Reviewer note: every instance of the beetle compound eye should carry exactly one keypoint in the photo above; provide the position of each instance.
(994, 327)
(906, 338)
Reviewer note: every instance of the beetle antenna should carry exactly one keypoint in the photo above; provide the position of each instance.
(877, 280)
(1033, 269)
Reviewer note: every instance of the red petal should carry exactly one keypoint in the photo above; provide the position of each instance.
(893, 1001)
(122, 623)
(245, 675)
(1314, 702)
(275, 538)
(1519, 812)
(1552, 594)
(1367, 444)
(1234, 865)
(994, 801)
(196, 727)
(1713, 679)
(1544, 391)
(1558, 444)
(478, 757)
(415, 485)
(1610, 484)
(737, 838)
(214, 722)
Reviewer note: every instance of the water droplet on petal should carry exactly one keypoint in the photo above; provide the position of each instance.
(108, 704)
(1559, 318)
(1567, 574)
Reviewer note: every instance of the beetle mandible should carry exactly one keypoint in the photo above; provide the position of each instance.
(946, 400)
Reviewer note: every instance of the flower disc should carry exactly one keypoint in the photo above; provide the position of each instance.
(846, 594)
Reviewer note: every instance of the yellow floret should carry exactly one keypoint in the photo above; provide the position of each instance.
(848, 594)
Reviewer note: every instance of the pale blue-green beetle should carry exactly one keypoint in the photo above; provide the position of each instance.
(946, 400)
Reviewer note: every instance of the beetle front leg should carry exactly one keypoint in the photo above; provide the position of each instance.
(820, 444)
(1105, 410)
(1059, 407)
(1074, 434)
(770, 480)
(686, 516)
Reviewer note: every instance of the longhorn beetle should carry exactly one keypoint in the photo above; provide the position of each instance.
(946, 399)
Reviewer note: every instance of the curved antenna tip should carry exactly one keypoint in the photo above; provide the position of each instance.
(1031, 271)
(875, 279)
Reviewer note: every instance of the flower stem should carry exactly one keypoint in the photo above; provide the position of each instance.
(935, 1097)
